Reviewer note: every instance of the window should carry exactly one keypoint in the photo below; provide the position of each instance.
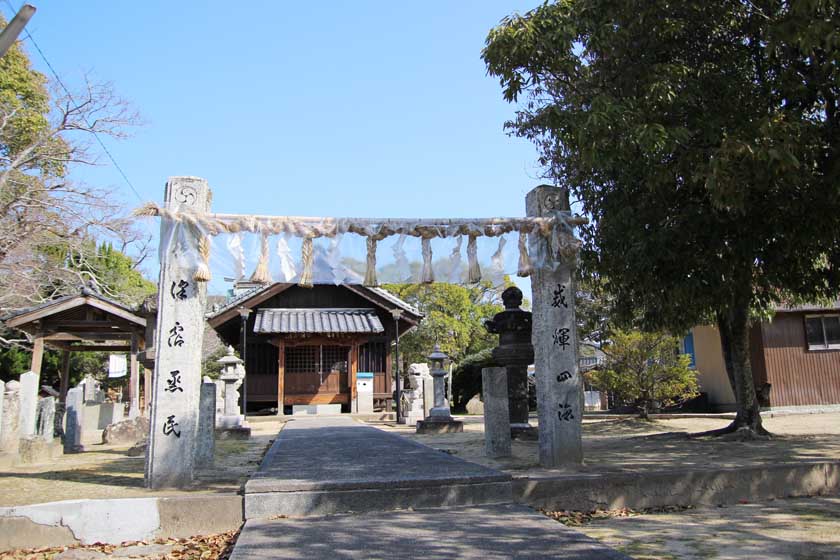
(822, 332)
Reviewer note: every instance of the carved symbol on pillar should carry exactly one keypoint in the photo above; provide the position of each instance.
(561, 337)
(179, 290)
(170, 427)
(565, 413)
(174, 382)
(564, 376)
(186, 195)
(559, 297)
(175, 338)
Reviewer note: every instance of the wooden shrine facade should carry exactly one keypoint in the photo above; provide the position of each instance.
(306, 345)
(87, 322)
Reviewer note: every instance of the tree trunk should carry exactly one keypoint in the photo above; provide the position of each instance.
(734, 327)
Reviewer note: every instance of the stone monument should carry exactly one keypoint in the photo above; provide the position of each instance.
(75, 406)
(515, 353)
(412, 394)
(46, 419)
(28, 395)
(205, 441)
(10, 421)
(440, 418)
(232, 423)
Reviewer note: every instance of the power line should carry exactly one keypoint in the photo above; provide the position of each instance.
(70, 96)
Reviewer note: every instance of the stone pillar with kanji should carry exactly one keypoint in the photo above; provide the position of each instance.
(178, 340)
(554, 337)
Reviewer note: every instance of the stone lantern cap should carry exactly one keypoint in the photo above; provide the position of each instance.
(230, 358)
(437, 358)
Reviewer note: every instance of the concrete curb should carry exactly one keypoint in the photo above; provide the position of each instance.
(678, 487)
(117, 520)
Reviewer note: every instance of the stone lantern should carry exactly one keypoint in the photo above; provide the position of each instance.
(440, 418)
(232, 421)
(515, 353)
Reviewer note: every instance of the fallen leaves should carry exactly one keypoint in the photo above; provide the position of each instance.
(205, 547)
(578, 518)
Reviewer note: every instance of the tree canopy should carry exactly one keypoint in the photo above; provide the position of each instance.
(702, 139)
(42, 136)
(454, 318)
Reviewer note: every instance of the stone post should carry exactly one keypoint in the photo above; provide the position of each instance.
(75, 406)
(205, 446)
(89, 386)
(559, 386)
(46, 419)
(10, 421)
(28, 403)
(514, 352)
(173, 419)
(494, 386)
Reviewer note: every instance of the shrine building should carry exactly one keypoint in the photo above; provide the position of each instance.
(305, 346)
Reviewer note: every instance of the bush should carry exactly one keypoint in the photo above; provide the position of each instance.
(646, 371)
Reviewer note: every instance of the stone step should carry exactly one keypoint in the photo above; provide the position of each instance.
(263, 499)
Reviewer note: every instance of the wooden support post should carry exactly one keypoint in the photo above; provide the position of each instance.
(148, 375)
(134, 379)
(178, 337)
(281, 377)
(559, 386)
(37, 354)
(353, 370)
(65, 376)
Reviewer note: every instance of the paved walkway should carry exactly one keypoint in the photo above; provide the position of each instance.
(407, 500)
(327, 465)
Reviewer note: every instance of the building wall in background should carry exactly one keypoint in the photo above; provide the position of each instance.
(798, 376)
(711, 371)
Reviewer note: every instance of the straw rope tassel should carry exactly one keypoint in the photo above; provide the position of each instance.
(370, 272)
(474, 273)
(525, 268)
(261, 273)
(307, 258)
(202, 271)
(428, 275)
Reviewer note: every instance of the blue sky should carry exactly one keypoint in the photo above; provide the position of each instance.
(367, 108)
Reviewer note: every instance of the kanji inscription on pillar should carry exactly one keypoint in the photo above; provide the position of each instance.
(559, 387)
(180, 322)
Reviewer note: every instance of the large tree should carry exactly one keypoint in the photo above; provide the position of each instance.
(702, 139)
(42, 137)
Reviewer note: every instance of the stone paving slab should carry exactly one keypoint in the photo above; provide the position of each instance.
(338, 453)
(477, 533)
(327, 465)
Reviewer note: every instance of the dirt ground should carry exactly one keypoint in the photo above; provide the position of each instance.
(108, 472)
(791, 529)
(632, 445)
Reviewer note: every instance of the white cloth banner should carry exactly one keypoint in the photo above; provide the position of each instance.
(117, 366)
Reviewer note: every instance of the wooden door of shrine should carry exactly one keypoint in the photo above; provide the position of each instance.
(316, 374)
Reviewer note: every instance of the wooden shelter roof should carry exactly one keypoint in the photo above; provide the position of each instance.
(87, 321)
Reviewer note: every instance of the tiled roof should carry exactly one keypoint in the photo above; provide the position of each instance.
(317, 321)
(396, 301)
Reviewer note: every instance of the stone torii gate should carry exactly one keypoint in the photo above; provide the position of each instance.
(549, 227)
